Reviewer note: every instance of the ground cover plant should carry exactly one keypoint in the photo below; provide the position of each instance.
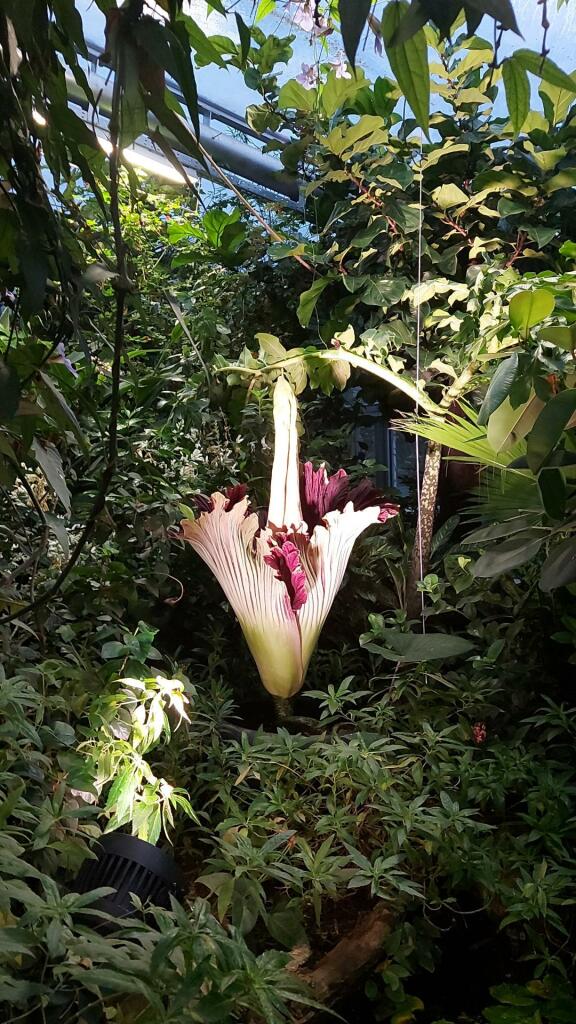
(400, 848)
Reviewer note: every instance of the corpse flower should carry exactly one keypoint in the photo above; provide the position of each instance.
(281, 579)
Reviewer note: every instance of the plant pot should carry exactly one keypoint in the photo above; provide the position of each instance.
(129, 865)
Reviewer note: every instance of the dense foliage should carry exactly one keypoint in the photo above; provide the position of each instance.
(428, 775)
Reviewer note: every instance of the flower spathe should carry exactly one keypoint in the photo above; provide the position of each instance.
(281, 579)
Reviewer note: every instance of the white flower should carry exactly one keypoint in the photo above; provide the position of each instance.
(308, 77)
(340, 67)
(303, 16)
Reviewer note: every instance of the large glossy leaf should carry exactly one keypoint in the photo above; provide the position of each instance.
(508, 425)
(559, 569)
(409, 62)
(517, 89)
(563, 337)
(552, 488)
(500, 530)
(415, 648)
(499, 388)
(546, 69)
(549, 427)
(507, 556)
(529, 308)
(353, 15)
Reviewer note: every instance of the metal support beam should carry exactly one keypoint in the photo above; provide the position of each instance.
(252, 170)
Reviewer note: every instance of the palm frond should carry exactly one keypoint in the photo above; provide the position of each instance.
(504, 495)
(461, 433)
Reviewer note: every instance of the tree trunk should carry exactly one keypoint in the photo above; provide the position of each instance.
(424, 528)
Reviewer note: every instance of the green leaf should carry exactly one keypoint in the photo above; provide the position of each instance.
(568, 249)
(353, 15)
(513, 995)
(563, 337)
(507, 556)
(265, 7)
(508, 1015)
(377, 291)
(508, 425)
(48, 458)
(498, 180)
(501, 10)
(309, 298)
(564, 179)
(113, 649)
(517, 89)
(133, 118)
(549, 427)
(412, 21)
(207, 51)
(122, 794)
(348, 140)
(546, 69)
(414, 648)
(409, 62)
(10, 802)
(9, 392)
(499, 388)
(35, 270)
(559, 569)
(58, 528)
(552, 488)
(529, 307)
(499, 530)
(449, 195)
(58, 407)
(556, 101)
(15, 941)
(338, 91)
(244, 34)
(293, 96)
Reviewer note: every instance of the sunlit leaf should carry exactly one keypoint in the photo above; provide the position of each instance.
(508, 425)
(409, 62)
(546, 69)
(517, 89)
(530, 307)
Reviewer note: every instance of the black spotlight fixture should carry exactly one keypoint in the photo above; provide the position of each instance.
(129, 865)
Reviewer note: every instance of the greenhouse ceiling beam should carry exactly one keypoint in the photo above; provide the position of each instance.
(248, 167)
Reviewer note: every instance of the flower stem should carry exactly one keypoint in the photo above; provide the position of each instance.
(283, 708)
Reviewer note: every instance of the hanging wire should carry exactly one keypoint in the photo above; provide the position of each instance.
(418, 339)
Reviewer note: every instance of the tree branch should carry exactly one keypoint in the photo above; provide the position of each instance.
(122, 286)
